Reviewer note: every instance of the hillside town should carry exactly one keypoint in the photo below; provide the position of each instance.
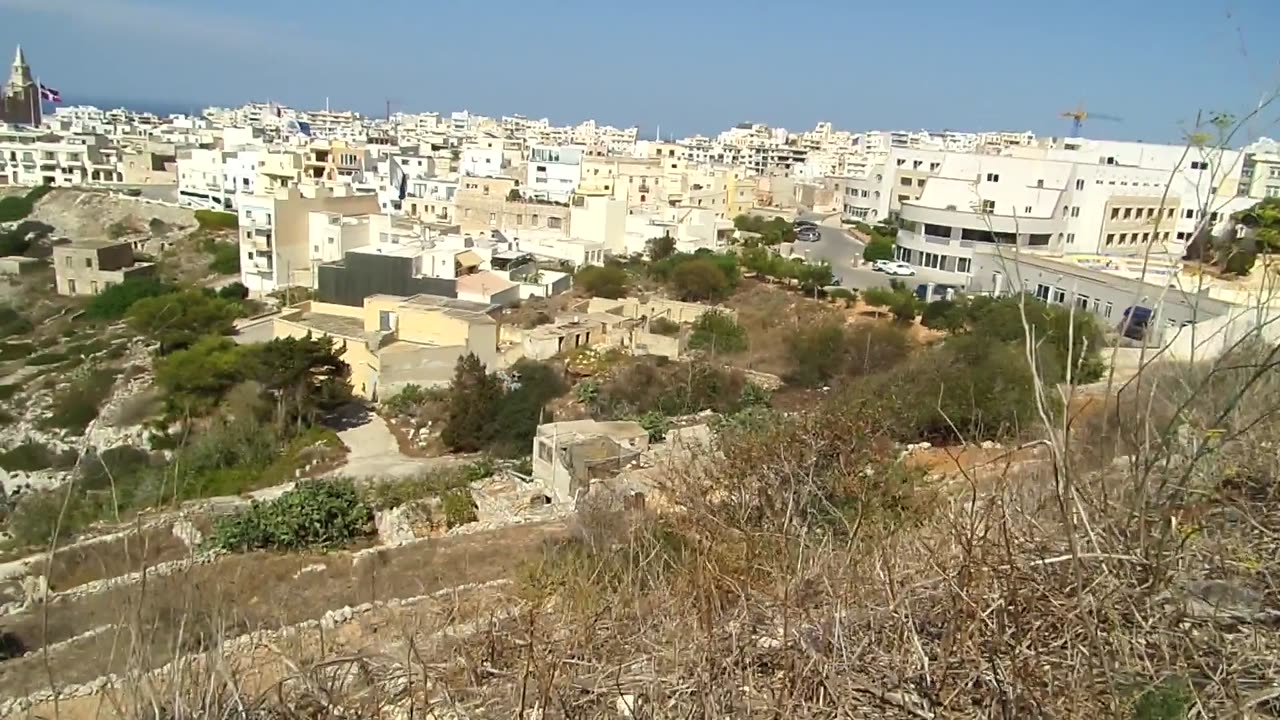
(334, 371)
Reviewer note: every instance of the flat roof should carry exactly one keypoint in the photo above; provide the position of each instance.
(330, 324)
(462, 309)
(91, 244)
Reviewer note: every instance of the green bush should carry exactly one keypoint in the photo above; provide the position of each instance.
(52, 357)
(233, 291)
(848, 296)
(314, 515)
(459, 507)
(18, 240)
(11, 323)
(664, 326)
(31, 456)
(77, 405)
(122, 464)
(656, 424)
(16, 208)
(113, 302)
(700, 279)
(409, 399)
(226, 258)
(718, 332)
(215, 220)
(15, 350)
(607, 281)
(822, 354)
(8, 391)
(878, 249)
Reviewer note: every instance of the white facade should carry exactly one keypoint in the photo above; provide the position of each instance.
(1094, 198)
(482, 162)
(553, 172)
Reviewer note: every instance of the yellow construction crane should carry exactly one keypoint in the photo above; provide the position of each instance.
(1079, 115)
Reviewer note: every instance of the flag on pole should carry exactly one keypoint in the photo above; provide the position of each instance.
(49, 94)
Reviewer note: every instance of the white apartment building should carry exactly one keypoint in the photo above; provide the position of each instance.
(482, 161)
(1090, 198)
(32, 156)
(553, 172)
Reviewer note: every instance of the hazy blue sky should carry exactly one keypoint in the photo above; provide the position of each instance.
(690, 66)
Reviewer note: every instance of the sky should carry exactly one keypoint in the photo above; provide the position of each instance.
(688, 66)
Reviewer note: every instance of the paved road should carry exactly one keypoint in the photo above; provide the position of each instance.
(842, 249)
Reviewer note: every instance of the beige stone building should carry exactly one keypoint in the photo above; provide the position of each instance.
(394, 341)
(488, 203)
(87, 267)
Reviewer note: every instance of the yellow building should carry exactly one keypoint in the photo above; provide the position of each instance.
(395, 341)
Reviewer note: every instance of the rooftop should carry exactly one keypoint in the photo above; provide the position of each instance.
(484, 282)
(580, 429)
(348, 327)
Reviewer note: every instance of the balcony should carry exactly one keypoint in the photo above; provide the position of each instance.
(262, 241)
(262, 263)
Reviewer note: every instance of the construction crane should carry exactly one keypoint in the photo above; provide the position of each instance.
(1079, 115)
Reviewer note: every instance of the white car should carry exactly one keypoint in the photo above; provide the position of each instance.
(897, 267)
(879, 265)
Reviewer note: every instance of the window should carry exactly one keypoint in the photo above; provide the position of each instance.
(1199, 165)
(916, 164)
(1026, 210)
(988, 206)
(1075, 212)
(1189, 214)
(1079, 184)
(493, 218)
(315, 249)
(993, 177)
(67, 261)
(519, 220)
(1106, 310)
(1115, 213)
(1059, 296)
(1040, 183)
(1151, 213)
(1038, 239)
(1065, 210)
(1124, 238)
(1071, 237)
(905, 182)
(963, 264)
(937, 230)
(1128, 213)
(903, 198)
(71, 286)
(1168, 213)
(93, 287)
(88, 262)
(1042, 291)
(920, 182)
(1082, 302)
(466, 212)
(533, 220)
(554, 223)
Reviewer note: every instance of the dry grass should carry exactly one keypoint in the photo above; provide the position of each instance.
(188, 610)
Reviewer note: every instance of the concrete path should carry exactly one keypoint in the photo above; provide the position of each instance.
(375, 454)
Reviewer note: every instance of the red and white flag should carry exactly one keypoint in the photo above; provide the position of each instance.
(49, 94)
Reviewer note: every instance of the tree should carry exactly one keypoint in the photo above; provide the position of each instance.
(524, 406)
(718, 332)
(815, 276)
(699, 279)
(305, 376)
(878, 249)
(608, 281)
(195, 379)
(473, 406)
(177, 320)
(817, 354)
(662, 247)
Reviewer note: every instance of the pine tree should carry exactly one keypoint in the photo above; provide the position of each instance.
(473, 406)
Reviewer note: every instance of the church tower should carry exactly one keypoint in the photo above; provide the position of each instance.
(21, 97)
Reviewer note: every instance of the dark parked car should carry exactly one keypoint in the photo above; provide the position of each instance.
(805, 223)
(808, 234)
